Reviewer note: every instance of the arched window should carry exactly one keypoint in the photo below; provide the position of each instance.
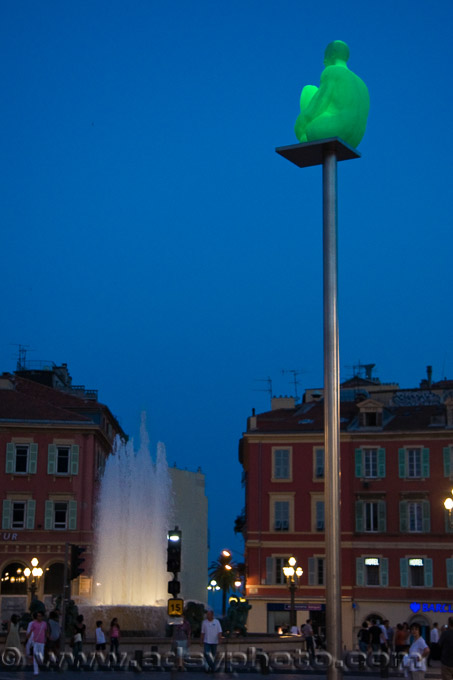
(13, 581)
(53, 579)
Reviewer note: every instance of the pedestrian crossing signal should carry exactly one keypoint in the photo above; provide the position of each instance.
(175, 606)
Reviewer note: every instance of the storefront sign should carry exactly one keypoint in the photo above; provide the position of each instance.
(427, 607)
(8, 536)
(284, 607)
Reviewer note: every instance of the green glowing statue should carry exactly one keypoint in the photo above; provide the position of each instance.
(339, 107)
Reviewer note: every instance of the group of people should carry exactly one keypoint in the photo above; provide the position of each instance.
(43, 637)
(211, 632)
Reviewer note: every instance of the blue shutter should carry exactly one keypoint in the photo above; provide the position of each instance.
(428, 572)
(381, 463)
(51, 459)
(404, 572)
(10, 458)
(6, 514)
(358, 463)
(75, 459)
(48, 515)
(360, 571)
(402, 463)
(404, 526)
(384, 571)
(382, 516)
(311, 571)
(449, 563)
(72, 513)
(269, 571)
(425, 463)
(359, 516)
(426, 520)
(30, 519)
(33, 459)
(447, 461)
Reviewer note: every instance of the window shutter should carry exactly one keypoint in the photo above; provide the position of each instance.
(428, 572)
(382, 516)
(360, 571)
(48, 515)
(403, 517)
(269, 570)
(359, 516)
(51, 459)
(75, 459)
(425, 463)
(358, 463)
(381, 463)
(30, 521)
(447, 461)
(402, 463)
(6, 514)
(10, 456)
(72, 512)
(33, 462)
(311, 571)
(404, 572)
(426, 520)
(320, 515)
(449, 563)
(384, 572)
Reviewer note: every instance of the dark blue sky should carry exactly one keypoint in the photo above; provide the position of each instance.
(154, 240)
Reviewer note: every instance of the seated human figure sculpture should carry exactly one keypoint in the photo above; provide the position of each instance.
(339, 107)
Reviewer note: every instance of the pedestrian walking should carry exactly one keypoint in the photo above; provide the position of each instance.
(307, 632)
(13, 637)
(446, 651)
(418, 653)
(433, 643)
(114, 636)
(38, 630)
(211, 632)
(100, 637)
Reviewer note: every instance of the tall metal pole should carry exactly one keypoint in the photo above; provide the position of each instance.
(331, 414)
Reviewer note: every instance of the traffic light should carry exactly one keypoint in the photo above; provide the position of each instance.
(76, 561)
(174, 587)
(174, 551)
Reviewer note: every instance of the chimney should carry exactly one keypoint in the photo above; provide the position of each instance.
(429, 373)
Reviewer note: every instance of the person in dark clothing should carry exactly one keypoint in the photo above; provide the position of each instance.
(375, 636)
(364, 637)
(446, 651)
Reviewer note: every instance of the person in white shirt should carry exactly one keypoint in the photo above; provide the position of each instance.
(433, 644)
(211, 631)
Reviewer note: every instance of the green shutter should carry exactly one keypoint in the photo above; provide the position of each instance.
(426, 519)
(269, 570)
(381, 463)
(425, 463)
(358, 463)
(51, 459)
(48, 515)
(449, 563)
(404, 572)
(72, 512)
(402, 463)
(360, 571)
(6, 515)
(359, 516)
(384, 572)
(30, 519)
(33, 461)
(10, 456)
(428, 572)
(382, 516)
(311, 571)
(404, 525)
(447, 461)
(75, 459)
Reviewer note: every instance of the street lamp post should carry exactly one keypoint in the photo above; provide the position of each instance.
(292, 575)
(35, 572)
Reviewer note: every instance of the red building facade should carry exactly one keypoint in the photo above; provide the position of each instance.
(54, 439)
(396, 540)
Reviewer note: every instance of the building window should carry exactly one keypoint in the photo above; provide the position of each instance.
(448, 461)
(372, 571)
(416, 572)
(18, 514)
(449, 565)
(370, 463)
(21, 458)
(413, 463)
(319, 516)
(274, 570)
(281, 465)
(63, 459)
(319, 463)
(281, 516)
(60, 514)
(13, 581)
(317, 512)
(316, 571)
(415, 516)
(370, 516)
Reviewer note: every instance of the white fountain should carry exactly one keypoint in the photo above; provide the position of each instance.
(134, 513)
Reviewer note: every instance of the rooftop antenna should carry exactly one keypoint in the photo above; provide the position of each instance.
(21, 364)
(267, 389)
(295, 372)
(362, 370)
